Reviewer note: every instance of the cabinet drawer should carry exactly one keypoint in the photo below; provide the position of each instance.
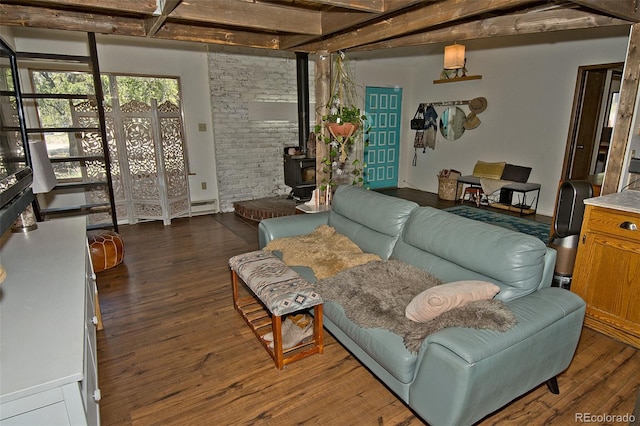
(50, 415)
(89, 386)
(613, 222)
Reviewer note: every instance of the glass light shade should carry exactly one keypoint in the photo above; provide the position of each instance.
(44, 179)
(454, 56)
(26, 222)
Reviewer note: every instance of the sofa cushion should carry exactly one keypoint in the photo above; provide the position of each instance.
(372, 220)
(488, 170)
(443, 243)
(385, 347)
(439, 299)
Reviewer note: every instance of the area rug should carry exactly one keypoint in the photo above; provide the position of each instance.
(531, 227)
(375, 295)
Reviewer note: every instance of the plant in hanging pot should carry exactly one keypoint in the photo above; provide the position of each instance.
(344, 122)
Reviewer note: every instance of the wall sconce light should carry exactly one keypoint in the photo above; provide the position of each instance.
(454, 61)
(454, 57)
(44, 179)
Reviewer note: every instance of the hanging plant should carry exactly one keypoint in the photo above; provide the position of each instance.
(345, 124)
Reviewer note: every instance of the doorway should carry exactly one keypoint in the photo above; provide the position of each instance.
(592, 120)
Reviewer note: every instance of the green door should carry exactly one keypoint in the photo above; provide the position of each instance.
(383, 108)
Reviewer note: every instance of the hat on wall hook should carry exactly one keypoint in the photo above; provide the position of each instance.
(478, 105)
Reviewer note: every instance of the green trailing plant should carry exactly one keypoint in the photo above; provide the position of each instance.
(341, 140)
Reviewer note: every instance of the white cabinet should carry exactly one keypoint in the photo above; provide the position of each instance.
(48, 364)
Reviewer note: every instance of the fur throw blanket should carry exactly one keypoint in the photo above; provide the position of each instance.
(325, 251)
(375, 295)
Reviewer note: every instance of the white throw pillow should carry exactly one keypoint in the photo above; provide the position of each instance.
(442, 298)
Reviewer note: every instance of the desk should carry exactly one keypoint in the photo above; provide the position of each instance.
(506, 195)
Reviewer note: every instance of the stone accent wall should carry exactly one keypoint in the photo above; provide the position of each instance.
(249, 152)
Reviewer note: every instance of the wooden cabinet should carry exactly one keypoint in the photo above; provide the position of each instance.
(607, 272)
(48, 367)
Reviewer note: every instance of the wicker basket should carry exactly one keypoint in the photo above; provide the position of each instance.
(447, 189)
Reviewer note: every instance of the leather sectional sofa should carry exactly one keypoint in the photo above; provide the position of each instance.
(459, 375)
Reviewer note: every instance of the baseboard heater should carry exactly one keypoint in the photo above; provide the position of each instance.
(204, 206)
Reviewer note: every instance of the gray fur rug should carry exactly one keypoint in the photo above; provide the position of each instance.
(375, 295)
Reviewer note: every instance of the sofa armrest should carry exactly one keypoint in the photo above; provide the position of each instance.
(549, 268)
(289, 226)
(465, 374)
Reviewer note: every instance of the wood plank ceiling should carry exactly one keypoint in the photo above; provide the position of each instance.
(315, 25)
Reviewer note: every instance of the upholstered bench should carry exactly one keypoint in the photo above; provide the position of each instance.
(508, 179)
(277, 290)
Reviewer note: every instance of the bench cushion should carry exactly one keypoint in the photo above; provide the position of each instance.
(280, 288)
(489, 170)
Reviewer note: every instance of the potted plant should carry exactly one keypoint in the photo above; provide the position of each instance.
(345, 124)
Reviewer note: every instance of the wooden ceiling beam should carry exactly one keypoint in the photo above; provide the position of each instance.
(39, 17)
(260, 16)
(391, 5)
(623, 9)
(373, 6)
(333, 22)
(524, 23)
(432, 14)
(175, 31)
(152, 25)
(137, 6)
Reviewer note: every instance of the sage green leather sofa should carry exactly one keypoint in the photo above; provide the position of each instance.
(459, 375)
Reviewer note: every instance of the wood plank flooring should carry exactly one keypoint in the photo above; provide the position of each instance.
(174, 351)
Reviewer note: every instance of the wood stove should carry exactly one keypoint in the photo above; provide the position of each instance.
(300, 175)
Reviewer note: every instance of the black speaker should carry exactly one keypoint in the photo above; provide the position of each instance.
(566, 228)
(570, 208)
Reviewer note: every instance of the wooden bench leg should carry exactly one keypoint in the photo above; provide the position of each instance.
(276, 325)
(234, 288)
(317, 328)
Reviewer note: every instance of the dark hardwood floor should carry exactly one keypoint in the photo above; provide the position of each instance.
(430, 199)
(174, 352)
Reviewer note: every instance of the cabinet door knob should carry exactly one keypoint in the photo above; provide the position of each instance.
(94, 320)
(630, 226)
(97, 395)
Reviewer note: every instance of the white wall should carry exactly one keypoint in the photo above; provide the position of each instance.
(529, 83)
(186, 61)
(7, 35)
(249, 145)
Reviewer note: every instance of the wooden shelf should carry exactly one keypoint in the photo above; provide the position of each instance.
(455, 79)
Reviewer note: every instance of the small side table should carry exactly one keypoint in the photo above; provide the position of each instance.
(277, 290)
(305, 208)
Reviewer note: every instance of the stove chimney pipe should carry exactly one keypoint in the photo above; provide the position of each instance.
(302, 73)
